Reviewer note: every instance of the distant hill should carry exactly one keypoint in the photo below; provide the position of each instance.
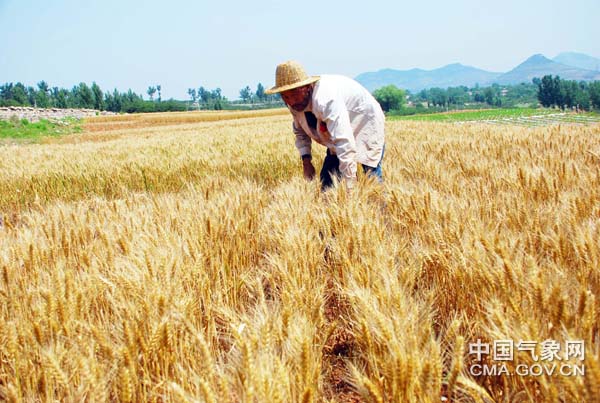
(452, 75)
(538, 66)
(580, 60)
(456, 74)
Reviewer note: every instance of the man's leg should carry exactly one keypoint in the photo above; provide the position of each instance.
(375, 172)
(331, 167)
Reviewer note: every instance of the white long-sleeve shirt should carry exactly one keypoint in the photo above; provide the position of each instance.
(350, 123)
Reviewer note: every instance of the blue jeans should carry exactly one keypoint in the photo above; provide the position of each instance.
(331, 168)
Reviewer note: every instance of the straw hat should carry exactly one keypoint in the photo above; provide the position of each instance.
(290, 75)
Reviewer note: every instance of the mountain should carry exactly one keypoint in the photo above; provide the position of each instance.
(452, 75)
(456, 74)
(579, 60)
(539, 65)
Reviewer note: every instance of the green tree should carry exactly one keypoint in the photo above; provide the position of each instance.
(488, 95)
(6, 94)
(594, 92)
(98, 97)
(54, 96)
(569, 90)
(546, 91)
(31, 93)
(42, 99)
(114, 103)
(457, 95)
(83, 96)
(582, 98)
(217, 99)
(158, 88)
(109, 102)
(390, 97)
(19, 94)
(192, 94)
(60, 97)
(204, 95)
(246, 94)
(438, 96)
(422, 96)
(260, 92)
(151, 91)
(558, 92)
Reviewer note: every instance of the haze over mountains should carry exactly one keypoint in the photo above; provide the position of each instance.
(568, 65)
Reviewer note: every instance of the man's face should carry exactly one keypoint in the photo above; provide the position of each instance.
(298, 98)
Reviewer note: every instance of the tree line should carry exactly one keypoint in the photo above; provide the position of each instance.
(568, 94)
(202, 98)
(548, 91)
(207, 99)
(435, 99)
(258, 96)
(83, 96)
(494, 95)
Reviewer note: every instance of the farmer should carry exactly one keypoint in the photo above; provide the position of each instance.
(336, 112)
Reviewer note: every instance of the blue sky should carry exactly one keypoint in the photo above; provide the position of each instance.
(230, 44)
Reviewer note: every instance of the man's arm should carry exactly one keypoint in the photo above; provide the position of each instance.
(303, 140)
(303, 144)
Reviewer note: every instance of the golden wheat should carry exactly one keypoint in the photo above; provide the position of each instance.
(181, 257)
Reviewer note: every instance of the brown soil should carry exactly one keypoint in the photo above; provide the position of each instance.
(339, 347)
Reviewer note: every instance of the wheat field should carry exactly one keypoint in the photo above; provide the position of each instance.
(183, 258)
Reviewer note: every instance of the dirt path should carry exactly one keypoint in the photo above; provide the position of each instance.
(339, 347)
